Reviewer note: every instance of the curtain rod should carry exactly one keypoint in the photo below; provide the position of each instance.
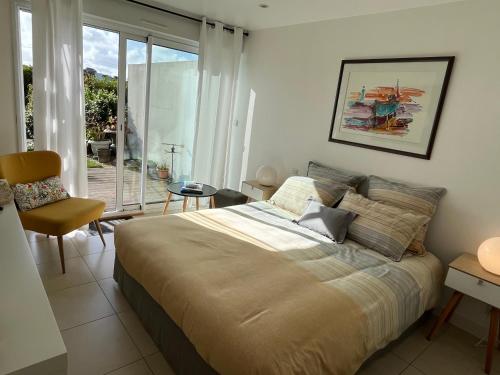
(227, 28)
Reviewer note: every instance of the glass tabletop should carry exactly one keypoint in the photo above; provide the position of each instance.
(176, 187)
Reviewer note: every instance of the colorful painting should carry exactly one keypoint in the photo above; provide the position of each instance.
(390, 104)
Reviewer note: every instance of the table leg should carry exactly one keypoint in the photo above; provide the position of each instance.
(169, 196)
(494, 317)
(184, 204)
(197, 203)
(212, 202)
(446, 313)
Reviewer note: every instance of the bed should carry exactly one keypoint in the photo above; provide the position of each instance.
(244, 290)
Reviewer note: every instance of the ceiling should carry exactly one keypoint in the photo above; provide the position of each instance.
(248, 14)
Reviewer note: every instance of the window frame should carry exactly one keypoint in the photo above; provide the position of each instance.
(163, 38)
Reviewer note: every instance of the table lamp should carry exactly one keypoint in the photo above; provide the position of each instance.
(489, 255)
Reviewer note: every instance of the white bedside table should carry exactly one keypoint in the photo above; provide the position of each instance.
(466, 276)
(253, 190)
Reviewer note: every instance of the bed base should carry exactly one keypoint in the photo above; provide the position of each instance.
(171, 341)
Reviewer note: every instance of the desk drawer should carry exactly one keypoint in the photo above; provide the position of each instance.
(474, 287)
(252, 192)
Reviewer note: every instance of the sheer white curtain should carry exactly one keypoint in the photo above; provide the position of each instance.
(219, 63)
(58, 109)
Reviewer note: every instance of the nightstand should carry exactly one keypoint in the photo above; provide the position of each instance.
(253, 190)
(467, 277)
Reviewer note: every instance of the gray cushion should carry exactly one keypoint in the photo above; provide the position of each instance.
(320, 172)
(327, 221)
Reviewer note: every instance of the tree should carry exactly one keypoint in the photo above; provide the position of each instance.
(101, 102)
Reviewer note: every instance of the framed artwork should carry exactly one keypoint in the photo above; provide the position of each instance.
(391, 105)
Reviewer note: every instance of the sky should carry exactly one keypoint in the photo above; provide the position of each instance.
(100, 49)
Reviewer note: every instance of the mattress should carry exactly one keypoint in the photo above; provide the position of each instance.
(255, 293)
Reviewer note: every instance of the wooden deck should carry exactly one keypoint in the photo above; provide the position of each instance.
(102, 185)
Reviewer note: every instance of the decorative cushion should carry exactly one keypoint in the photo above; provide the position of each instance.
(327, 221)
(39, 193)
(380, 227)
(321, 172)
(294, 194)
(6, 195)
(419, 199)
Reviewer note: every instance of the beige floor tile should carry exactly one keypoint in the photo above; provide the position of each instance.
(46, 250)
(101, 264)
(158, 364)
(383, 363)
(455, 353)
(137, 368)
(113, 293)
(93, 244)
(413, 343)
(412, 371)
(77, 273)
(34, 236)
(137, 332)
(78, 305)
(99, 347)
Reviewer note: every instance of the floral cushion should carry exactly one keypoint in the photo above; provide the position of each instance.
(39, 193)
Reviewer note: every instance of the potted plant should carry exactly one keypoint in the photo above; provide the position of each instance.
(162, 170)
(104, 155)
(96, 137)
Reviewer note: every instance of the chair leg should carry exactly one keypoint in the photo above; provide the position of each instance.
(61, 252)
(99, 229)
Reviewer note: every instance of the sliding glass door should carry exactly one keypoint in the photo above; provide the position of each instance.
(156, 116)
(172, 112)
(132, 109)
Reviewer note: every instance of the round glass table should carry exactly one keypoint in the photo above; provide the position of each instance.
(176, 188)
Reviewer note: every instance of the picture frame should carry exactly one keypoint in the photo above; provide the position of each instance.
(391, 104)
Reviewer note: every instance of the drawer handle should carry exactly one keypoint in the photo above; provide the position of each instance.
(480, 282)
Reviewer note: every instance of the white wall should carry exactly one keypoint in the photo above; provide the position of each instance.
(171, 115)
(8, 126)
(294, 71)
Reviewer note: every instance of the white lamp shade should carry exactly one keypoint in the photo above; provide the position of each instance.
(489, 255)
(266, 175)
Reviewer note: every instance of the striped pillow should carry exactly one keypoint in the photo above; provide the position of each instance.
(320, 172)
(294, 194)
(380, 227)
(419, 199)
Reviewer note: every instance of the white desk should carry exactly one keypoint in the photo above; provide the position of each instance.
(30, 341)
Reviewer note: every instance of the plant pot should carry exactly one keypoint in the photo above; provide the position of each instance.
(162, 173)
(98, 145)
(104, 155)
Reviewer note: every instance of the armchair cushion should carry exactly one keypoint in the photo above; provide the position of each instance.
(63, 216)
(39, 193)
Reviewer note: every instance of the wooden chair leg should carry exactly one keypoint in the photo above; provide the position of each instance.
(197, 203)
(184, 204)
(61, 252)
(99, 229)
(212, 202)
(494, 318)
(446, 313)
(169, 197)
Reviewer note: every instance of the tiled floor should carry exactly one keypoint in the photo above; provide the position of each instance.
(101, 332)
(104, 336)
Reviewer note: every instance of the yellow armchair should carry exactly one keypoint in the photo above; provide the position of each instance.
(55, 219)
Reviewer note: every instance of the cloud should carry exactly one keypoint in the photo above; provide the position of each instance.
(26, 37)
(100, 49)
